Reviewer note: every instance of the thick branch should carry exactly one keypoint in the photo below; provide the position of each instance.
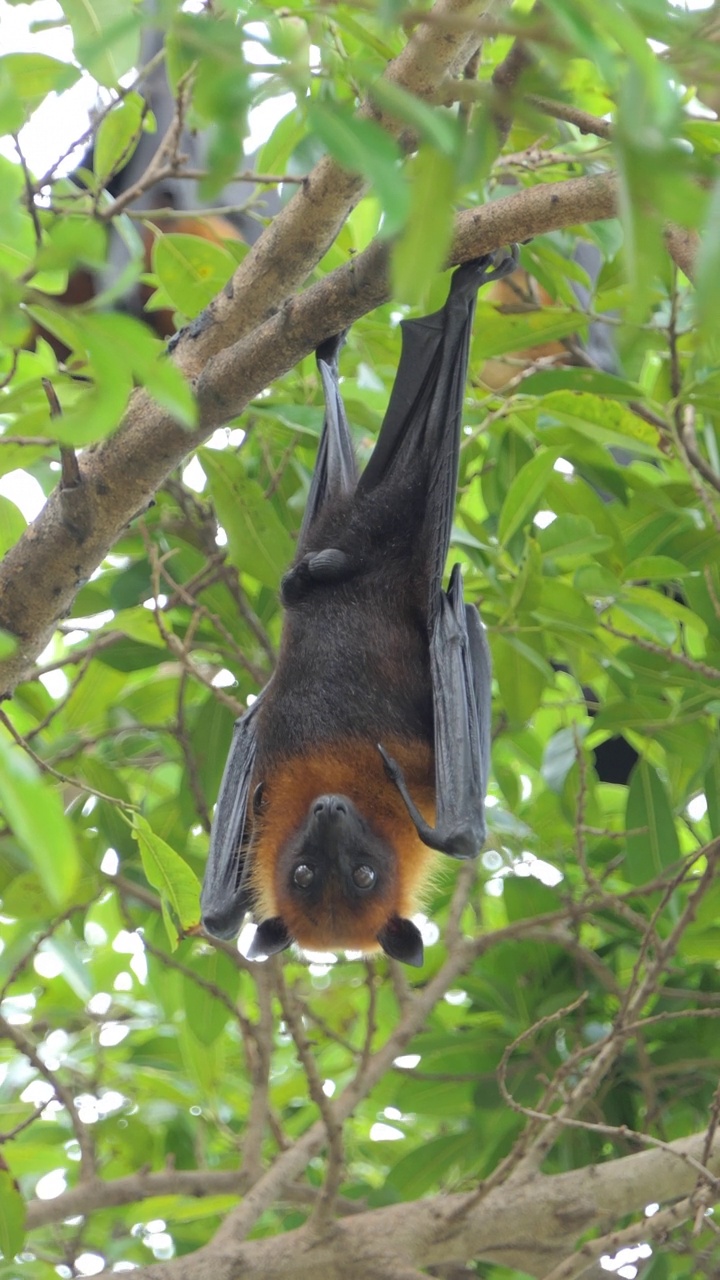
(41, 575)
(303, 231)
(530, 1224)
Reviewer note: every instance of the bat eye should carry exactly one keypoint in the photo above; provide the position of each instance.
(364, 877)
(303, 876)
(259, 797)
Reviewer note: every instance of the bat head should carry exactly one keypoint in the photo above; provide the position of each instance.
(336, 886)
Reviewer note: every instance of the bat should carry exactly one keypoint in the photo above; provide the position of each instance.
(368, 749)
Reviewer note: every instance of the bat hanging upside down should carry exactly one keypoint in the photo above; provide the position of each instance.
(368, 749)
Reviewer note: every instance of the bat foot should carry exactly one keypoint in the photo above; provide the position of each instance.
(329, 350)
(480, 271)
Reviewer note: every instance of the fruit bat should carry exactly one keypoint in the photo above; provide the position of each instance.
(368, 749)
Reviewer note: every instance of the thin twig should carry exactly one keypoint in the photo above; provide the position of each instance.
(64, 1095)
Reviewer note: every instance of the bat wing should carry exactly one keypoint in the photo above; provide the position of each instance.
(335, 469)
(423, 417)
(461, 681)
(225, 897)
(425, 413)
(335, 474)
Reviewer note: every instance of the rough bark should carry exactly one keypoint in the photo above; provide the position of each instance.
(528, 1223)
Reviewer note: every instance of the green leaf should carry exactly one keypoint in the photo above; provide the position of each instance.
(649, 851)
(12, 524)
(362, 147)
(526, 896)
(661, 568)
(280, 145)
(523, 496)
(13, 218)
(205, 1012)
(118, 136)
(167, 872)
(708, 270)
(571, 537)
(593, 580)
(422, 248)
(663, 630)
(12, 1217)
(34, 812)
(139, 624)
(25, 81)
(562, 605)
(642, 714)
(495, 334)
(120, 350)
(711, 787)
(435, 125)
(258, 542)
(560, 756)
(106, 35)
(8, 643)
(522, 677)
(25, 897)
(211, 735)
(605, 421)
(191, 270)
(591, 380)
(422, 1170)
(69, 242)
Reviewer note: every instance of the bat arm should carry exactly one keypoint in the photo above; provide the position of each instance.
(464, 842)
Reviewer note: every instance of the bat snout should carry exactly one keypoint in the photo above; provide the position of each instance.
(333, 824)
(331, 808)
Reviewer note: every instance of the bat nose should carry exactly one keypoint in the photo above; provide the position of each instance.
(330, 807)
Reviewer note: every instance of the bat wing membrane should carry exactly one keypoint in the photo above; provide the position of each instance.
(425, 413)
(335, 469)
(425, 408)
(225, 896)
(334, 476)
(461, 682)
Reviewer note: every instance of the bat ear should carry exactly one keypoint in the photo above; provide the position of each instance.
(270, 937)
(401, 940)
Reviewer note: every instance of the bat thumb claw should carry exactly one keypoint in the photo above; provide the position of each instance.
(392, 768)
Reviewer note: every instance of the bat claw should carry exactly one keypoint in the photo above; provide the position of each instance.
(392, 768)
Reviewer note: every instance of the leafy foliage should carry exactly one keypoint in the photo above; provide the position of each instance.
(587, 525)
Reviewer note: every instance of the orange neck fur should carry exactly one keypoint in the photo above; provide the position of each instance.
(353, 768)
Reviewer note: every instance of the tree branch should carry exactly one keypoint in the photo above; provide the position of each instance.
(527, 1223)
(41, 575)
(97, 1194)
(299, 236)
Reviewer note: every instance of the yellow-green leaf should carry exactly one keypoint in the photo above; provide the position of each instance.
(12, 1217)
(174, 880)
(422, 248)
(33, 810)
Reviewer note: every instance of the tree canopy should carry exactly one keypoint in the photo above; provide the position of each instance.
(541, 1098)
